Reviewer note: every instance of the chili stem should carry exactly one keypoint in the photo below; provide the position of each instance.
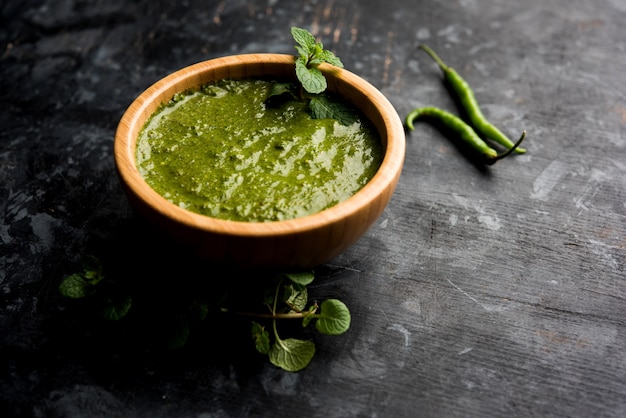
(510, 150)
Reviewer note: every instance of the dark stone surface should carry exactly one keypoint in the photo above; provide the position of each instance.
(479, 292)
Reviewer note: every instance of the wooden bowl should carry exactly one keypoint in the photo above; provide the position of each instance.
(297, 243)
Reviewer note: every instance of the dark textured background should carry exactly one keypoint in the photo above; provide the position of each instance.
(497, 292)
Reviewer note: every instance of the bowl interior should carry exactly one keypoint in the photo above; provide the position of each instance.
(355, 90)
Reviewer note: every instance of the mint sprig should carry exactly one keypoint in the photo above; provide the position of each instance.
(83, 283)
(313, 84)
(89, 282)
(311, 54)
(332, 317)
(274, 299)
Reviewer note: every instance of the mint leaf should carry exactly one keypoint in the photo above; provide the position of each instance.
(334, 317)
(261, 338)
(309, 316)
(75, 286)
(268, 296)
(278, 89)
(116, 309)
(304, 38)
(303, 278)
(312, 79)
(92, 269)
(311, 55)
(79, 285)
(291, 354)
(198, 311)
(303, 53)
(177, 334)
(280, 92)
(317, 51)
(324, 108)
(331, 58)
(297, 297)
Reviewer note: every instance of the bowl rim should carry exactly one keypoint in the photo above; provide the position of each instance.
(125, 147)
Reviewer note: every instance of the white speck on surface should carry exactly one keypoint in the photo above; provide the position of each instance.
(467, 3)
(482, 69)
(414, 66)
(461, 200)
(602, 251)
(453, 34)
(413, 306)
(423, 33)
(546, 181)
(491, 222)
(465, 351)
(453, 219)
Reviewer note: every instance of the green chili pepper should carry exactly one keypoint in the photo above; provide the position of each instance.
(469, 103)
(465, 131)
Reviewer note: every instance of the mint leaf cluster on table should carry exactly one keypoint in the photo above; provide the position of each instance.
(282, 297)
(290, 301)
(313, 84)
(90, 283)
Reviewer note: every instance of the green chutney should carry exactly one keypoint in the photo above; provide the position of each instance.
(221, 151)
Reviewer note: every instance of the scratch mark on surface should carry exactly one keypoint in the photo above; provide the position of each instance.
(407, 340)
(602, 250)
(403, 331)
(488, 308)
(610, 295)
(618, 164)
(546, 181)
(490, 221)
(464, 292)
(583, 202)
(349, 267)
